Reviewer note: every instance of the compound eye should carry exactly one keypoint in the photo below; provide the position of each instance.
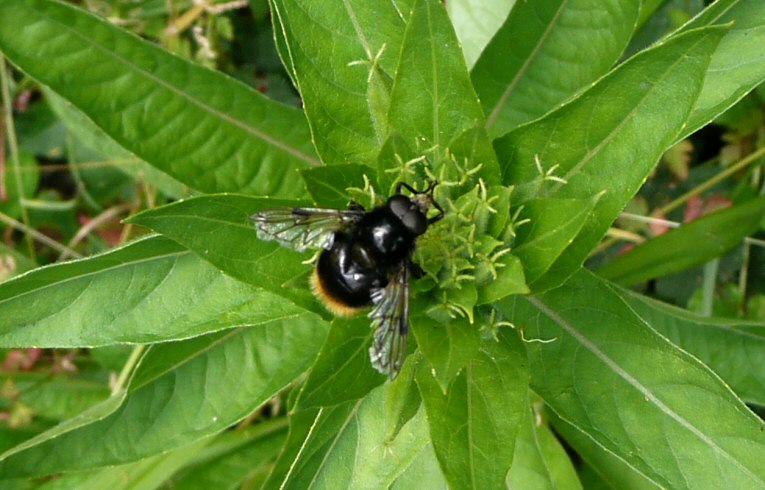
(399, 206)
(415, 221)
(405, 210)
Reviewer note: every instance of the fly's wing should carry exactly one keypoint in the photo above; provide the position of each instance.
(390, 319)
(303, 228)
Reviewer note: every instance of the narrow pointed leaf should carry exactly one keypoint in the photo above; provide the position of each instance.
(423, 472)
(510, 279)
(342, 371)
(547, 51)
(92, 415)
(165, 293)
(226, 136)
(474, 424)
(634, 393)
(180, 394)
(302, 424)
(540, 462)
(738, 64)
(347, 447)
(60, 396)
(218, 228)
(402, 398)
(476, 22)
(553, 225)
(690, 245)
(144, 474)
(447, 346)
(609, 138)
(329, 185)
(342, 69)
(233, 456)
(433, 103)
(734, 349)
(89, 134)
(611, 470)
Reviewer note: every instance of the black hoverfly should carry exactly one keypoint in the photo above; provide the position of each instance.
(366, 260)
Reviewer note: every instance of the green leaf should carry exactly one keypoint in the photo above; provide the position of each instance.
(472, 147)
(690, 245)
(633, 393)
(553, 225)
(233, 456)
(301, 428)
(90, 416)
(423, 472)
(474, 424)
(59, 396)
(391, 168)
(733, 349)
(347, 447)
(658, 18)
(447, 345)
(547, 51)
(433, 103)
(146, 474)
(165, 293)
(738, 63)
(218, 228)
(199, 126)
(540, 462)
(608, 139)
(612, 470)
(648, 9)
(476, 22)
(343, 70)
(342, 371)
(402, 398)
(510, 279)
(97, 140)
(328, 185)
(182, 392)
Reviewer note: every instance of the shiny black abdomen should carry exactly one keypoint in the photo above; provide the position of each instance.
(362, 257)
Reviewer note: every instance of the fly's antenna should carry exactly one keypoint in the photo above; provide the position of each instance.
(431, 189)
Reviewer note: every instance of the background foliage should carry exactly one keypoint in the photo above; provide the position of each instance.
(571, 139)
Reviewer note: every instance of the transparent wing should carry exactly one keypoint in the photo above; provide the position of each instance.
(390, 319)
(303, 228)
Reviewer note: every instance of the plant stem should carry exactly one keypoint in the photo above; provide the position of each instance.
(128, 368)
(708, 288)
(711, 182)
(94, 223)
(13, 146)
(37, 235)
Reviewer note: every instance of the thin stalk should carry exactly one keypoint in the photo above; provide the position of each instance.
(743, 275)
(13, 146)
(711, 182)
(708, 287)
(625, 235)
(82, 190)
(46, 240)
(650, 220)
(108, 215)
(128, 368)
(126, 230)
(670, 224)
(183, 22)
